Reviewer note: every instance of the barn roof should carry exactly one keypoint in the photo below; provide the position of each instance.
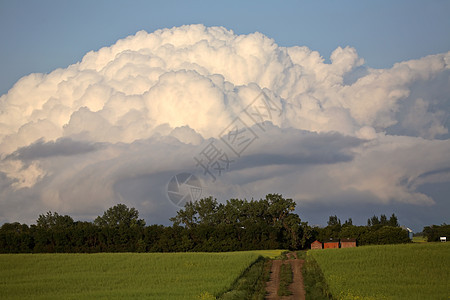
(348, 240)
(332, 241)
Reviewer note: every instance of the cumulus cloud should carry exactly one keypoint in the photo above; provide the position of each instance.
(117, 125)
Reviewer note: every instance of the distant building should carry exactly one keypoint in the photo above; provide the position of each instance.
(316, 245)
(410, 232)
(348, 243)
(332, 243)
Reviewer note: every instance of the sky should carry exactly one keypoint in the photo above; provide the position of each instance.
(341, 105)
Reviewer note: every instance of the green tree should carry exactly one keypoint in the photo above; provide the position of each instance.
(206, 209)
(118, 216)
(294, 230)
(186, 216)
(279, 208)
(383, 220)
(54, 220)
(348, 222)
(121, 229)
(334, 221)
(374, 221)
(16, 238)
(434, 232)
(53, 233)
(85, 237)
(393, 221)
(240, 224)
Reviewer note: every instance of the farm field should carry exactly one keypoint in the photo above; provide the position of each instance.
(269, 253)
(409, 271)
(419, 239)
(122, 275)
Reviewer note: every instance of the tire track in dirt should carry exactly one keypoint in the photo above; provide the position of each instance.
(274, 281)
(296, 287)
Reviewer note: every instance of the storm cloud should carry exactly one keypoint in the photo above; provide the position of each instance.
(116, 126)
(60, 147)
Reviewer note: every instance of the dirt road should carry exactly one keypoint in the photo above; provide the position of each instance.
(274, 281)
(296, 287)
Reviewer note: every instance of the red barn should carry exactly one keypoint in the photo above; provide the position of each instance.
(316, 245)
(331, 244)
(348, 243)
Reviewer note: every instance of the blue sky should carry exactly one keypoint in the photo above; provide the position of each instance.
(352, 138)
(40, 36)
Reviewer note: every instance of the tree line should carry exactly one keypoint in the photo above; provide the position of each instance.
(434, 232)
(204, 225)
(379, 231)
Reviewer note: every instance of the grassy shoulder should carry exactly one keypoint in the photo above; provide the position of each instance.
(417, 271)
(286, 278)
(313, 279)
(252, 283)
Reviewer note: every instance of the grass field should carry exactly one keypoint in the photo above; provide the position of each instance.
(411, 271)
(269, 253)
(121, 275)
(419, 239)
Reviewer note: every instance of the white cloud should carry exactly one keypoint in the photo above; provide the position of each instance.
(117, 125)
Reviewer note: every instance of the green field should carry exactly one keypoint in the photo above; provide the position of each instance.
(419, 239)
(410, 271)
(121, 275)
(272, 254)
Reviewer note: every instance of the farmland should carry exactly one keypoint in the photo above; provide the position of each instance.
(412, 271)
(121, 275)
(417, 271)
